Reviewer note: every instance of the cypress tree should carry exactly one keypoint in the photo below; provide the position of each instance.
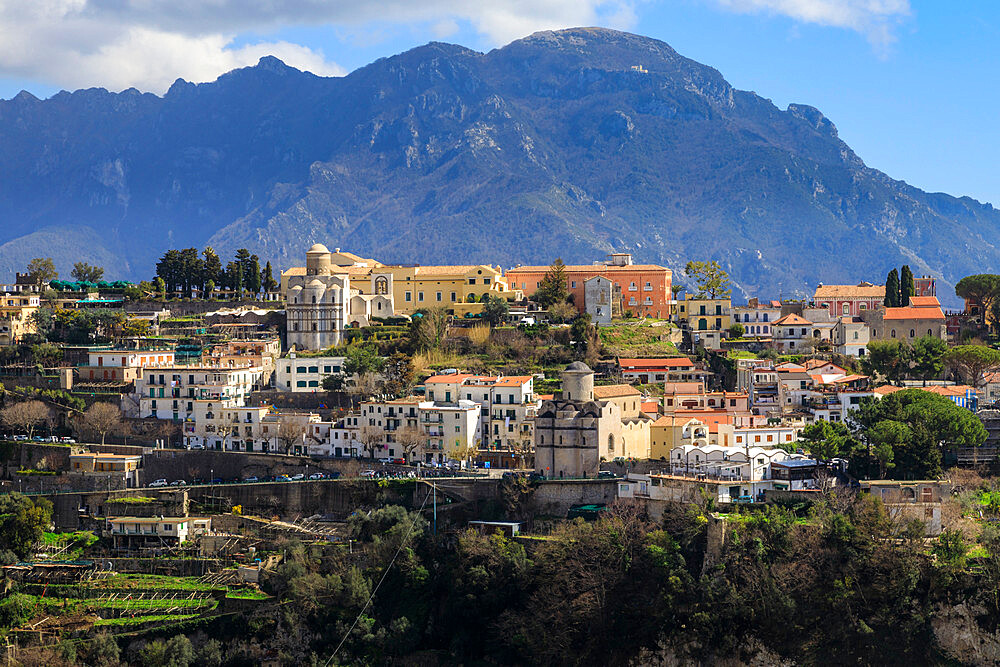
(892, 289)
(906, 289)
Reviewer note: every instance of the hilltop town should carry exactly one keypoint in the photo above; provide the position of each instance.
(220, 441)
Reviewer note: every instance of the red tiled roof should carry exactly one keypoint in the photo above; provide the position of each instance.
(512, 381)
(914, 313)
(792, 319)
(448, 379)
(671, 362)
(924, 301)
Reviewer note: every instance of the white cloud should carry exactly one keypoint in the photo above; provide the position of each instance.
(148, 43)
(875, 19)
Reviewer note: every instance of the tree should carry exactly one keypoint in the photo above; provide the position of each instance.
(979, 291)
(211, 268)
(361, 359)
(906, 288)
(429, 327)
(736, 330)
(927, 353)
(972, 362)
(42, 270)
(25, 416)
(267, 280)
(86, 273)
(552, 287)
(22, 523)
(101, 418)
(371, 437)
(562, 312)
(495, 310)
(208, 291)
(676, 289)
(826, 440)
(891, 299)
(252, 274)
(290, 433)
(712, 281)
(887, 357)
(398, 375)
(886, 437)
(160, 285)
(409, 438)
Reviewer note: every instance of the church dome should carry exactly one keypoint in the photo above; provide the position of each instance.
(319, 247)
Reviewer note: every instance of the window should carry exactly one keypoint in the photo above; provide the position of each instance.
(572, 284)
(847, 309)
(453, 297)
(911, 333)
(326, 369)
(438, 295)
(648, 287)
(472, 281)
(420, 296)
(631, 301)
(300, 383)
(892, 333)
(408, 296)
(631, 287)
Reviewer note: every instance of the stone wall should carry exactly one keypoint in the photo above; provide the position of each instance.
(555, 497)
(171, 464)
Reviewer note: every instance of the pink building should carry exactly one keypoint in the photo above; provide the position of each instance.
(849, 300)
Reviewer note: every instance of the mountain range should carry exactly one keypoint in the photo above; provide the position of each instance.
(573, 143)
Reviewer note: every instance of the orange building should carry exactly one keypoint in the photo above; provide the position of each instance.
(645, 288)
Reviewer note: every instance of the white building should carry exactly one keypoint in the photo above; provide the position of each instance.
(296, 373)
(173, 392)
(322, 303)
(447, 431)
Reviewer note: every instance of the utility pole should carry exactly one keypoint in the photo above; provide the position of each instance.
(434, 487)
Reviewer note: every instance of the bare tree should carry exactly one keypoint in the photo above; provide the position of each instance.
(25, 416)
(409, 438)
(370, 437)
(364, 385)
(469, 452)
(101, 418)
(520, 447)
(291, 432)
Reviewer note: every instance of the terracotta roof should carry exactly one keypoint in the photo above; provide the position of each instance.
(587, 268)
(449, 379)
(885, 390)
(816, 363)
(914, 313)
(650, 407)
(791, 319)
(449, 270)
(671, 362)
(615, 390)
(860, 291)
(671, 420)
(512, 381)
(683, 388)
(924, 301)
(953, 390)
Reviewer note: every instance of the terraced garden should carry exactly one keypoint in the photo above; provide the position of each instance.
(126, 602)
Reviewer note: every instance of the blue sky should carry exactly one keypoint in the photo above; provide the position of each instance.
(910, 84)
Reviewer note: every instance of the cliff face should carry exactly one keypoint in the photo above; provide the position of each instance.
(570, 143)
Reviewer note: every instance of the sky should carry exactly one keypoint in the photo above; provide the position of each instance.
(910, 84)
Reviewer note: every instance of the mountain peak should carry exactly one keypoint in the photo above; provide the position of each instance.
(273, 64)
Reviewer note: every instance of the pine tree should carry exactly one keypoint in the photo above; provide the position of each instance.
(212, 268)
(267, 279)
(252, 275)
(552, 287)
(906, 289)
(892, 289)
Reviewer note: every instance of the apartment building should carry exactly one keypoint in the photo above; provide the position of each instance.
(645, 288)
(172, 392)
(648, 371)
(16, 309)
(249, 429)
(446, 432)
(296, 373)
(108, 364)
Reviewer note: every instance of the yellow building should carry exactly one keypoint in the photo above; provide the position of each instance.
(458, 288)
(705, 314)
(672, 431)
(16, 310)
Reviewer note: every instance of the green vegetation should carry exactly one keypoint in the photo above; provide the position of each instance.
(142, 620)
(637, 340)
(130, 500)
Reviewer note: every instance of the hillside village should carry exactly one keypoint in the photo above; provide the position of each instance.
(175, 431)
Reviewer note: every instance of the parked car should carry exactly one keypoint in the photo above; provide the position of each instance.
(399, 461)
(196, 445)
(317, 475)
(178, 482)
(20, 437)
(385, 460)
(67, 440)
(333, 475)
(158, 482)
(367, 473)
(282, 478)
(298, 477)
(605, 474)
(252, 478)
(217, 480)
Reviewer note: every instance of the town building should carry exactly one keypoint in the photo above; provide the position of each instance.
(645, 288)
(923, 317)
(118, 466)
(602, 299)
(297, 373)
(173, 392)
(322, 302)
(16, 309)
(446, 432)
(648, 371)
(849, 300)
(757, 317)
(109, 364)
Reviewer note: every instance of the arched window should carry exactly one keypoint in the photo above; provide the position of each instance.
(912, 334)
(611, 443)
(381, 285)
(929, 333)
(765, 317)
(314, 298)
(892, 333)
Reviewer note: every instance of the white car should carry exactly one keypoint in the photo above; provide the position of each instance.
(385, 460)
(159, 482)
(197, 445)
(178, 482)
(296, 478)
(317, 475)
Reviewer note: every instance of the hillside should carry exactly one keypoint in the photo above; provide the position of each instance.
(552, 145)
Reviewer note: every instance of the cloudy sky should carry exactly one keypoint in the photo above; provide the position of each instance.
(910, 84)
